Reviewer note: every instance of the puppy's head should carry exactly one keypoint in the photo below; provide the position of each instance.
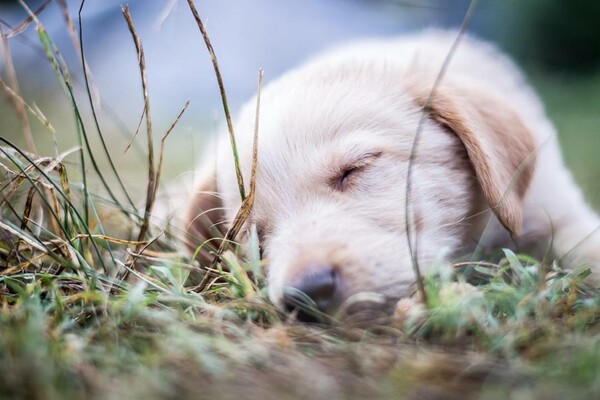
(334, 150)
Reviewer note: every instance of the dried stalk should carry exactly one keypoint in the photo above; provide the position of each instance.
(246, 207)
(151, 189)
(213, 58)
(13, 84)
(413, 248)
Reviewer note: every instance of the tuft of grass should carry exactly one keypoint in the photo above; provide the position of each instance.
(89, 308)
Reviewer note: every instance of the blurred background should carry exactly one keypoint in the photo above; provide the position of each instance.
(556, 42)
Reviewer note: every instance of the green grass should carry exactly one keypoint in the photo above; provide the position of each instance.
(88, 311)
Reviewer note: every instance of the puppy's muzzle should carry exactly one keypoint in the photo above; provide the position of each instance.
(312, 295)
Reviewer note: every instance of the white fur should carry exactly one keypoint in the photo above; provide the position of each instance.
(352, 102)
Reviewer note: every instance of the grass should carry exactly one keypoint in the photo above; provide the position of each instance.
(89, 308)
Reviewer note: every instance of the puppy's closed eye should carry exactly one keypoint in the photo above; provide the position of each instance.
(349, 173)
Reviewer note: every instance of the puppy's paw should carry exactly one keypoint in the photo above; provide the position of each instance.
(583, 259)
(412, 311)
(409, 310)
(592, 259)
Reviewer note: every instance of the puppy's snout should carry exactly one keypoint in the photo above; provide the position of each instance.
(312, 295)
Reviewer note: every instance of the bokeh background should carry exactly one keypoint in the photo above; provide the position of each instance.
(556, 42)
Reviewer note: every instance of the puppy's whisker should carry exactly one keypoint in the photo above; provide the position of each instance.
(220, 223)
(202, 214)
(209, 193)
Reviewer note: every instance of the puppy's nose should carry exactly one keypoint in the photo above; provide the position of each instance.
(312, 295)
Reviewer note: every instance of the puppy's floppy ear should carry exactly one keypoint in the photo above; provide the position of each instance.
(500, 146)
(204, 214)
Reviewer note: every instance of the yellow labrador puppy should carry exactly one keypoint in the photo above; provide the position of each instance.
(334, 147)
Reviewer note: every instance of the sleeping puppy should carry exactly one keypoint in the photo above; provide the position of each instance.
(335, 142)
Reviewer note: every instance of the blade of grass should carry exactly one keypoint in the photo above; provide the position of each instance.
(90, 88)
(55, 204)
(36, 243)
(151, 188)
(63, 77)
(23, 25)
(246, 207)
(26, 214)
(49, 179)
(137, 130)
(162, 145)
(27, 209)
(14, 89)
(412, 246)
(22, 236)
(36, 112)
(213, 58)
(23, 177)
(77, 45)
